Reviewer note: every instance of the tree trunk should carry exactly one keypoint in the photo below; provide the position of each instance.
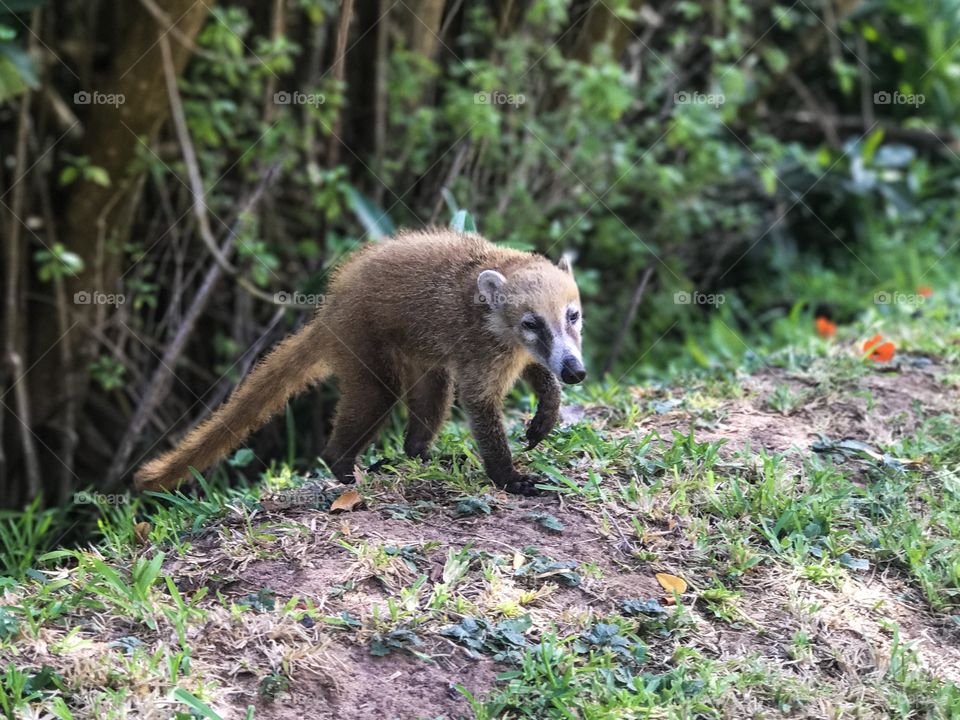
(96, 219)
(419, 23)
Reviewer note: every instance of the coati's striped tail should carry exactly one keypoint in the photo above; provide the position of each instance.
(287, 370)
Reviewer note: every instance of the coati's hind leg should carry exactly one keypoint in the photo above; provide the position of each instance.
(428, 397)
(365, 402)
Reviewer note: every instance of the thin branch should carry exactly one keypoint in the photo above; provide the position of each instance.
(13, 341)
(628, 319)
(338, 72)
(380, 97)
(190, 157)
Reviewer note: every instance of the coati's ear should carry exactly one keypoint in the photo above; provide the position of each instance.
(565, 264)
(490, 285)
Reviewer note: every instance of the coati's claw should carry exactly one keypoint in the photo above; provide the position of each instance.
(344, 475)
(523, 485)
(543, 422)
(537, 430)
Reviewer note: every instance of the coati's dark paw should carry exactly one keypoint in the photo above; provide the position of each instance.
(418, 452)
(537, 430)
(543, 422)
(344, 474)
(522, 485)
(379, 466)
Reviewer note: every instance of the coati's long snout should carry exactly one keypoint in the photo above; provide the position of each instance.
(410, 319)
(572, 370)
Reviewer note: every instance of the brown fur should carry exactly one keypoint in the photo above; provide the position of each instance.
(401, 321)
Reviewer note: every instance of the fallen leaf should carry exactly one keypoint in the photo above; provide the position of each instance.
(571, 414)
(141, 532)
(473, 506)
(651, 607)
(358, 474)
(348, 501)
(848, 561)
(671, 583)
(878, 350)
(518, 560)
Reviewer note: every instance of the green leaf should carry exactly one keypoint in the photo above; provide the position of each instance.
(21, 61)
(11, 81)
(546, 521)
(463, 222)
(241, 458)
(9, 626)
(852, 563)
(652, 608)
(196, 704)
(69, 174)
(97, 175)
(871, 144)
(375, 220)
(264, 600)
(776, 59)
(472, 506)
(46, 678)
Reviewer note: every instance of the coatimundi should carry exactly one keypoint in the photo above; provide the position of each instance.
(406, 320)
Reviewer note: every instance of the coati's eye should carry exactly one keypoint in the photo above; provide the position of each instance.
(532, 323)
(573, 316)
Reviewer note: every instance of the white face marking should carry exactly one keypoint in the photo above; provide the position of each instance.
(564, 339)
(564, 343)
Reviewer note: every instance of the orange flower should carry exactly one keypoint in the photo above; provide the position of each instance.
(825, 327)
(879, 351)
(924, 290)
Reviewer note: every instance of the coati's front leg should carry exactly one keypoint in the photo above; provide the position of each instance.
(365, 402)
(486, 422)
(547, 389)
(428, 396)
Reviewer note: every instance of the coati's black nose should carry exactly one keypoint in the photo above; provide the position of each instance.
(572, 371)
